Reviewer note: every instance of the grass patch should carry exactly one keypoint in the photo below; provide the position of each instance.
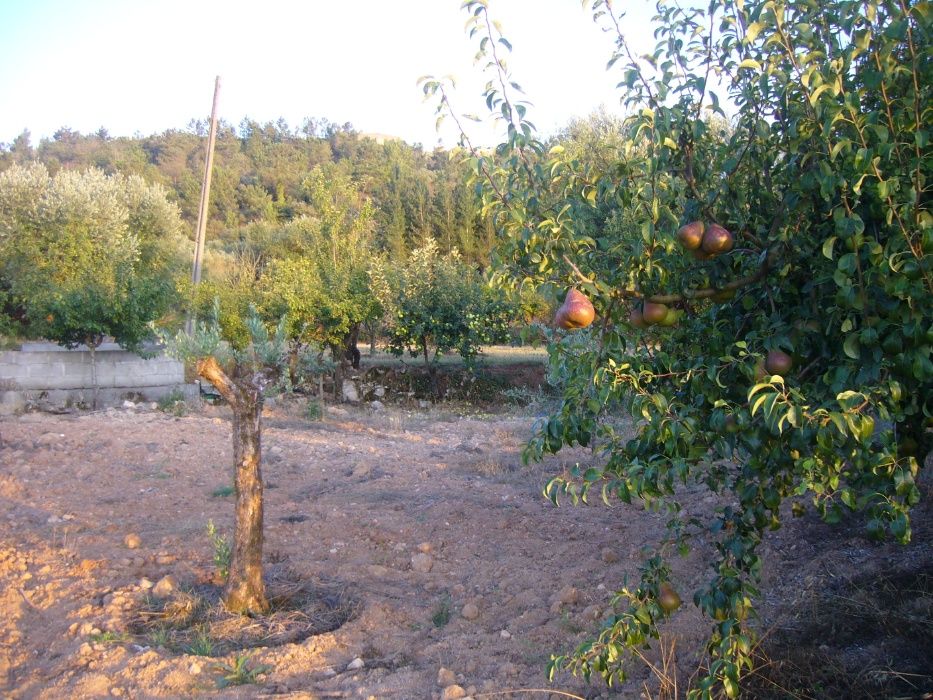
(314, 410)
(109, 638)
(238, 672)
(441, 614)
(173, 403)
(223, 492)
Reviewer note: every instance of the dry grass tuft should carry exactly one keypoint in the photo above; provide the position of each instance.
(196, 618)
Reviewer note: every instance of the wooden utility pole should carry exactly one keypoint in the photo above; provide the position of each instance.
(205, 199)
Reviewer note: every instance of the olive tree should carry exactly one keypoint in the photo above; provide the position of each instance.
(241, 375)
(84, 256)
(794, 357)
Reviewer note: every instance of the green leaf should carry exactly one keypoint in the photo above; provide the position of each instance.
(851, 346)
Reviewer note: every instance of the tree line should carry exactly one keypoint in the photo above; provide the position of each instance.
(260, 173)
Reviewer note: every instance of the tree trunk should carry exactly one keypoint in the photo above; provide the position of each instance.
(245, 591)
(430, 366)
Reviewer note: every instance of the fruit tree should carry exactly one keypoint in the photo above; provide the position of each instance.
(771, 187)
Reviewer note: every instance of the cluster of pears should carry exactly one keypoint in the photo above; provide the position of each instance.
(703, 241)
(652, 314)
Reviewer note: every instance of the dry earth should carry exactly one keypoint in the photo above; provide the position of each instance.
(415, 513)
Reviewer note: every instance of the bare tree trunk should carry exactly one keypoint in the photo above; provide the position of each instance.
(245, 591)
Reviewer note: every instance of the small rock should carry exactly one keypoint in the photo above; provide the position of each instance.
(505, 634)
(356, 664)
(52, 519)
(609, 555)
(165, 559)
(145, 584)
(568, 595)
(423, 404)
(445, 677)
(362, 471)
(453, 692)
(194, 669)
(425, 548)
(508, 669)
(129, 404)
(132, 541)
(379, 391)
(470, 611)
(591, 612)
(350, 394)
(422, 563)
(377, 405)
(165, 587)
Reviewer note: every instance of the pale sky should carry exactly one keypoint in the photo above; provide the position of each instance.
(149, 65)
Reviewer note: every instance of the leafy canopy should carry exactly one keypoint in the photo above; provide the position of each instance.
(436, 303)
(85, 255)
(822, 174)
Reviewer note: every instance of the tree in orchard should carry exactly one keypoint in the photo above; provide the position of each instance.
(437, 303)
(763, 285)
(320, 280)
(84, 256)
(241, 375)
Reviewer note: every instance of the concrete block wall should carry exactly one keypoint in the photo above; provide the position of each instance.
(50, 372)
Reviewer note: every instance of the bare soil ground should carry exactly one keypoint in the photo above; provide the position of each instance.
(428, 520)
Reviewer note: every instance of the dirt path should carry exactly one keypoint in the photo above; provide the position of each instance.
(424, 517)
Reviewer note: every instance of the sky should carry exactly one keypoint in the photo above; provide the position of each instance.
(144, 66)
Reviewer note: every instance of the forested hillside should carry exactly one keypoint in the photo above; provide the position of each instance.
(264, 176)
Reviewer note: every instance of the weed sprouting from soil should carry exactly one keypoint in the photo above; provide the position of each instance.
(223, 492)
(441, 615)
(222, 551)
(237, 672)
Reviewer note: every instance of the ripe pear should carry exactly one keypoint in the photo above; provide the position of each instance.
(691, 235)
(668, 598)
(670, 318)
(778, 362)
(717, 240)
(575, 312)
(654, 313)
(636, 319)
